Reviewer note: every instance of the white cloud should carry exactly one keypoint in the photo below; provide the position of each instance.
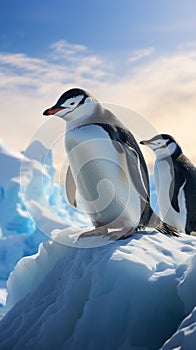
(67, 63)
(78, 58)
(63, 48)
(139, 54)
(162, 89)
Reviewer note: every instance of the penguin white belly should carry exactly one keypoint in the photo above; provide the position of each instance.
(163, 179)
(102, 178)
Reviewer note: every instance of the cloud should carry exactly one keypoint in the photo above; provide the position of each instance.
(161, 88)
(79, 58)
(64, 48)
(67, 64)
(139, 54)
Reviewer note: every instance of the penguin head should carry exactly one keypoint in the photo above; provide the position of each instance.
(163, 145)
(72, 104)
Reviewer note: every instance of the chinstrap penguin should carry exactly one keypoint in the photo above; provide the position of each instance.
(175, 179)
(106, 167)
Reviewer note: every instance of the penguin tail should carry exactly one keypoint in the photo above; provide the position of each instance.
(165, 228)
(161, 226)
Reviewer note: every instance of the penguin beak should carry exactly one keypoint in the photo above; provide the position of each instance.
(145, 142)
(52, 110)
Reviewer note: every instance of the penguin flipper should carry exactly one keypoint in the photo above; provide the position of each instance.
(176, 184)
(124, 142)
(135, 172)
(127, 138)
(70, 188)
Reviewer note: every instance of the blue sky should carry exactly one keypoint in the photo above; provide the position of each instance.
(103, 25)
(140, 54)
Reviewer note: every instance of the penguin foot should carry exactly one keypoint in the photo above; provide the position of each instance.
(98, 231)
(122, 234)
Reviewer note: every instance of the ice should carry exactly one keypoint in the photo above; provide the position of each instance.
(130, 294)
(13, 248)
(31, 204)
(13, 216)
(3, 295)
(26, 182)
(185, 336)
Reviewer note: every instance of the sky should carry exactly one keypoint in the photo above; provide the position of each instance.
(137, 54)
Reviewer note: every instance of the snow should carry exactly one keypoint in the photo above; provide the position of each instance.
(185, 336)
(13, 248)
(136, 294)
(3, 296)
(31, 205)
(21, 226)
(130, 294)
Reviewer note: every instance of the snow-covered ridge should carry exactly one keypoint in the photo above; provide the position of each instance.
(130, 294)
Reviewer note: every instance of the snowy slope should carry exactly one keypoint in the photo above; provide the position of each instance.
(185, 337)
(127, 295)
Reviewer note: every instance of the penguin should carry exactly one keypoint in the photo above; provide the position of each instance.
(175, 180)
(106, 167)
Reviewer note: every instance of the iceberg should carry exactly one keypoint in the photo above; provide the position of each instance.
(14, 219)
(31, 203)
(127, 295)
(26, 183)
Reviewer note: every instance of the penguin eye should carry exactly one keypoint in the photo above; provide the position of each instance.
(72, 103)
